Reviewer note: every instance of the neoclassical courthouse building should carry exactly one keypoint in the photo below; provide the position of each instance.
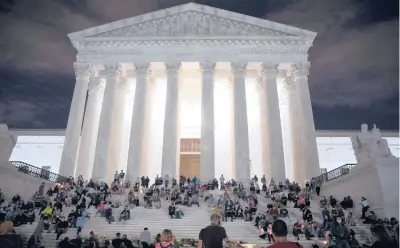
(192, 90)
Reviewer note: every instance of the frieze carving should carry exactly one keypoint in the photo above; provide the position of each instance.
(191, 23)
(301, 69)
(207, 67)
(83, 70)
(282, 46)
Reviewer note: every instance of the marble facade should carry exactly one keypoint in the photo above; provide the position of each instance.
(215, 42)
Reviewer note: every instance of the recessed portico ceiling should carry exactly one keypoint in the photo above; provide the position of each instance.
(192, 21)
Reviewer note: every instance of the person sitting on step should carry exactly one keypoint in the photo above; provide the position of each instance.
(283, 213)
(125, 215)
(178, 213)
(186, 201)
(347, 203)
(323, 202)
(171, 210)
(195, 200)
(370, 218)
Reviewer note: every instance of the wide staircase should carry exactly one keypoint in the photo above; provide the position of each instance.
(194, 219)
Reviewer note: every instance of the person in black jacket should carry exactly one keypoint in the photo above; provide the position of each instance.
(116, 243)
(380, 238)
(171, 210)
(62, 227)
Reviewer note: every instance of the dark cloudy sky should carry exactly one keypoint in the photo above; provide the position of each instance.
(354, 73)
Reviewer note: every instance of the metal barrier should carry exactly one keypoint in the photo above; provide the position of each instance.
(335, 173)
(38, 172)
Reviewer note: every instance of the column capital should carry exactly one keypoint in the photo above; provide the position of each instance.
(238, 67)
(95, 84)
(207, 67)
(172, 67)
(301, 69)
(83, 69)
(141, 68)
(269, 68)
(289, 81)
(113, 69)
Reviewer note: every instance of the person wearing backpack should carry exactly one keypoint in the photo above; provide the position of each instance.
(167, 240)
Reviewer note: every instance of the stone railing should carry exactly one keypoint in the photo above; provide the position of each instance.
(38, 172)
(336, 173)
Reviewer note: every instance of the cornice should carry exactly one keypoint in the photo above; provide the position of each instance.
(276, 45)
(319, 133)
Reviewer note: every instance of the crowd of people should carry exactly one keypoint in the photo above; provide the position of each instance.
(236, 201)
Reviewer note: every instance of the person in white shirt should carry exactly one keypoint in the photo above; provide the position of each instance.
(365, 206)
(145, 238)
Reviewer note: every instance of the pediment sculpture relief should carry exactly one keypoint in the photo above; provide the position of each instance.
(191, 23)
(370, 145)
(7, 142)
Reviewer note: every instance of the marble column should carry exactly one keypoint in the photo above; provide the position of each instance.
(305, 152)
(102, 154)
(90, 128)
(207, 144)
(75, 119)
(241, 132)
(263, 130)
(139, 115)
(117, 128)
(274, 143)
(170, 151)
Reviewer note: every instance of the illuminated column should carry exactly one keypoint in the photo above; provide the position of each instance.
(75, 119)
(285, 122)
(305, 152)
(207, 156)
(90, 128)
(139, 115)
(241, 133)
(102, 154)
(171, 124)
(273, 136)
(117, 128)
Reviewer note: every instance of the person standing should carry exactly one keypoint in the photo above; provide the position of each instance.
(365, 206)
(145, 238)
(318, 186)
(279, 234)
(214, 235)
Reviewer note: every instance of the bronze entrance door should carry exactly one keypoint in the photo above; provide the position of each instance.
(190, 165)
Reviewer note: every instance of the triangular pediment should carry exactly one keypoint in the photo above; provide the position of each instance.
(192, 20)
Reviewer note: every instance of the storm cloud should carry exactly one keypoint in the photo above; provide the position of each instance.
(354, 58)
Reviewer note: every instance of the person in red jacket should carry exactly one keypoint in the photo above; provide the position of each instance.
(279, 232)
